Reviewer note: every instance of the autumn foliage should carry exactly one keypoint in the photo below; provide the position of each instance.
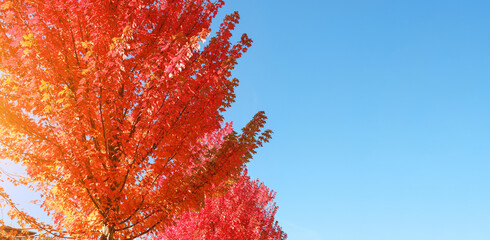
(115, 110)
(245, 212)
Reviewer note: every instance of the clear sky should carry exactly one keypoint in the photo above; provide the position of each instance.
(380, 111)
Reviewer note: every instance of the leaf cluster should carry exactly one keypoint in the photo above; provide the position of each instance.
(107, 105)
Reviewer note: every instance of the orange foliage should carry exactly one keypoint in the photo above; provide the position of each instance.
(108, 104)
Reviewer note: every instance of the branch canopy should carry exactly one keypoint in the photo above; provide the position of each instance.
(115, 109)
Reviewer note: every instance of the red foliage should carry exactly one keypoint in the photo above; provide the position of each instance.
(245, 212)
(112, 106)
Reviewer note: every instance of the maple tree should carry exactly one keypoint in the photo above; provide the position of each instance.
(245, 212)
(115, 110)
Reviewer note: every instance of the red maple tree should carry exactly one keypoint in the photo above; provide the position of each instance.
(109, 104)
(245, 212)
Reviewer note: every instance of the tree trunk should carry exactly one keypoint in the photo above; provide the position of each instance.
(107, 233)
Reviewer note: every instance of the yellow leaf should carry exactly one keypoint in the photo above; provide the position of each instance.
(28, 40)
(7, 5)
(6, 81)
(47, 109)
(45, 97)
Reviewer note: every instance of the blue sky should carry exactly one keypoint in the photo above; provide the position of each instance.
(380, 111)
